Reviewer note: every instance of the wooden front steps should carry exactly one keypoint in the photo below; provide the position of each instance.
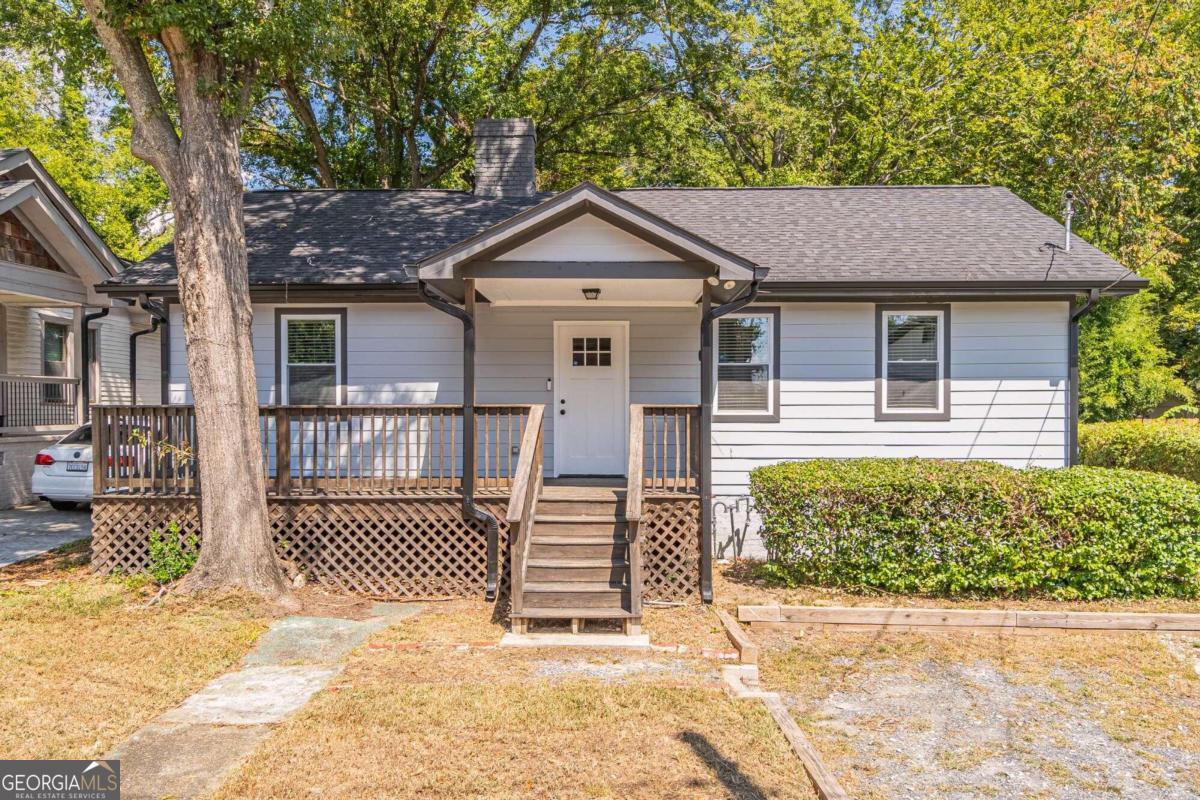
(578, 566)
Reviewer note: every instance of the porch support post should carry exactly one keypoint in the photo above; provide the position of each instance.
(708, 313)
(706, 409)
(1073, 375)
(470, 511)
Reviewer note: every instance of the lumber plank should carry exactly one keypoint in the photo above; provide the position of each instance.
(827, 786)
(747, 649)
(928, 619)
(758, 613)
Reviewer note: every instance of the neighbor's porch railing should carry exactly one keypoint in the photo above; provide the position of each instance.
(315, 450)
(32, 403)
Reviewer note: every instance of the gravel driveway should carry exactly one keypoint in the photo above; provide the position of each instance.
(1070, 718)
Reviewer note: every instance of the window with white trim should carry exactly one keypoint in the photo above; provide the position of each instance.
(745, 361)
(311, 354)
(913, 361)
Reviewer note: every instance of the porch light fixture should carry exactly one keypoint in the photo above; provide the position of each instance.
(591, 294)
(729, 284)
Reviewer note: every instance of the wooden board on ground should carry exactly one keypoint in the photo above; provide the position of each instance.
(824, 782)
(747, 650)
(931, 619)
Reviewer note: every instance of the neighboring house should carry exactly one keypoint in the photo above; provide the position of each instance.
(846, 321)
(50, 261)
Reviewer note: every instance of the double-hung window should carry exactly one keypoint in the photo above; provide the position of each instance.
(912, 357)
(747, 365)
(311, 358)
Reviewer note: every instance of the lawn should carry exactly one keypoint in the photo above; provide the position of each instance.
(84, 662)
(980, 716)
(416, 714)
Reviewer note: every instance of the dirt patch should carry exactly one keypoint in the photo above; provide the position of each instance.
(960, 716)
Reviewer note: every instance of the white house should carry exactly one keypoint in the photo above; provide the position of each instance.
(62, 344)
(760, 324)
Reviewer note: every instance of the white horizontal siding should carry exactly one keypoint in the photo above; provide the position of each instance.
(410, 353)
(112, 359)
(1008, 373)
(1008, 369)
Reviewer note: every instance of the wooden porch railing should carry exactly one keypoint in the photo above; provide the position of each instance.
(315, 450)
(671, 448)
(664, 458)
(29, 403)
(522, 503)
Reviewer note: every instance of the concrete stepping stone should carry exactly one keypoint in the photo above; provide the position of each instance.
(188, 751)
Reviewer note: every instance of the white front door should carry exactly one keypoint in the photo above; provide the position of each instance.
(591, 397)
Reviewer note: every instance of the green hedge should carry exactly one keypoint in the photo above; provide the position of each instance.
(946, 528)
(1155, 445)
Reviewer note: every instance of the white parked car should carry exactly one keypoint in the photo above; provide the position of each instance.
(62, 473)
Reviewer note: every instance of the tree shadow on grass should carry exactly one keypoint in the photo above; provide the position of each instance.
(736, 782)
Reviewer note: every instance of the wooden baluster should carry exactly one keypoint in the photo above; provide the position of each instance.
(283, 451)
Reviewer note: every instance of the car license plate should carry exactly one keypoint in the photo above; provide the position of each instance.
(78, 466)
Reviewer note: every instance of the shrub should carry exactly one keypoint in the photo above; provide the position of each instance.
(939, 527)
(1153, 445)
(171, 556)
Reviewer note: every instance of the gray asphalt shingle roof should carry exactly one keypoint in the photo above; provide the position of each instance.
(870, 234)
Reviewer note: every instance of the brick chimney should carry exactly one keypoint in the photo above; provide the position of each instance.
(504, 157)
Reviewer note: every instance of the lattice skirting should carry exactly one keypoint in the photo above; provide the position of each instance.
(670, 533)
(392, 548)
(386, 548)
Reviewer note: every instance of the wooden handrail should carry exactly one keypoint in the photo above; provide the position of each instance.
(522, 504)
(633, 503)
(636, 466)
(525, 465)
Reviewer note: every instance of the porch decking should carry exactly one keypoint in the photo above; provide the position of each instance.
(368, 499)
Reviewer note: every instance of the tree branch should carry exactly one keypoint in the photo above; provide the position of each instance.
(155, 140)
(303, 110)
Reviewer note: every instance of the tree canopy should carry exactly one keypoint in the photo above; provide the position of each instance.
(1040, 96)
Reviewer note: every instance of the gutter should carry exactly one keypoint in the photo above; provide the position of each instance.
(157, 317)
(470, 511)
(706, 414)
(85, 380)
(1073, 374)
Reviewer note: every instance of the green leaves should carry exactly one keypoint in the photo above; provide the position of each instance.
(1160, 445)
(952, 528)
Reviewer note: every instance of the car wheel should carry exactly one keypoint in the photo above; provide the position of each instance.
(63, 505)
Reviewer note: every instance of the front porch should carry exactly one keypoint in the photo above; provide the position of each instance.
(370, 499)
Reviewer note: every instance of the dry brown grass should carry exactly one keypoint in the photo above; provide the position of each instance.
(83, 662)
(447, 722)
(737, 583)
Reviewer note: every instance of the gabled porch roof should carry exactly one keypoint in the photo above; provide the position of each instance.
(34, 200)
(676, 259)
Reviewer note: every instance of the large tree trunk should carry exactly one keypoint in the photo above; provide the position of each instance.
(201, 165)
(210, 252)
